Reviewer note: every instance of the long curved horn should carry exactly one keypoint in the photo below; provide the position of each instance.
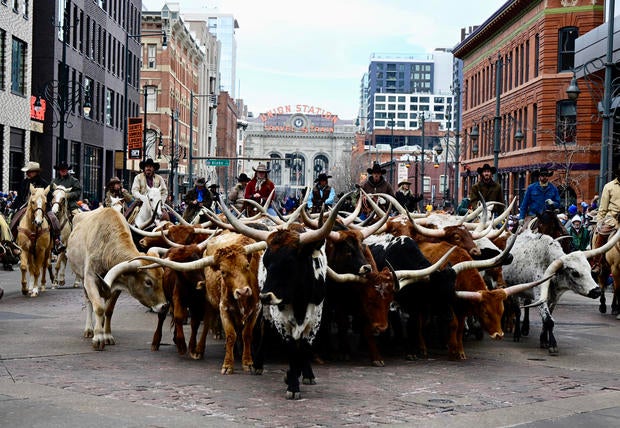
(472, 215)
(544, 288)
(504, 215)
(302, 206)
(344, 277)
(170, 242)
(406, 275)
(481, 234)
(318, 234)
(239, 226)
(473, 296)
(261, 209)
(485, 264)
(120, 269)
(494, 233)
(373, 228)
(177, 215)
(603, 249)
(353, 216)
(434, 233)
(519, 288)
(144, 232)
(372, 203)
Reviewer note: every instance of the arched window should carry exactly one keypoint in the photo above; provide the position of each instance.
(298, 168)
(321, 164)
(275, 165)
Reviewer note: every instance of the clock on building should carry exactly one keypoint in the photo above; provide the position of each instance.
(298, 122)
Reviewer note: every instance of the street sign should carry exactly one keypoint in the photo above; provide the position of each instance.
(218, 162)
(135, 153)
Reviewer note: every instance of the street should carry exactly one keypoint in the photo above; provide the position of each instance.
(51, 376)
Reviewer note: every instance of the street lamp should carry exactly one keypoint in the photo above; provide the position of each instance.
(611, 88)
(164, 45)
(391, 124)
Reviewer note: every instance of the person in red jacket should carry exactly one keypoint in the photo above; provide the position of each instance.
(259, 188)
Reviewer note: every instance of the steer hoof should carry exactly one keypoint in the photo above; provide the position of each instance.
(602, 308)
(290, 395)
(227, 370)
(256, 371)
(378, 363)
(308, 381)
(553, 350)
(88, 333)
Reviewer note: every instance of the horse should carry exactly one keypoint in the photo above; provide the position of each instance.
(548, 223)
(151, 209)
(34, 238)
(61, 210)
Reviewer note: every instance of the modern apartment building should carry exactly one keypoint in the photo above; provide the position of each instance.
(517, 66)
(83, 53)
(223, 26)
(15, 84)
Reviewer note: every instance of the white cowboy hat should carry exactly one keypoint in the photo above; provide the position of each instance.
(31, 166)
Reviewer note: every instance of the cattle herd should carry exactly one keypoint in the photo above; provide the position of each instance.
(307, 279)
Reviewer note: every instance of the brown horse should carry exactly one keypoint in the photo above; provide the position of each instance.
(33, 237)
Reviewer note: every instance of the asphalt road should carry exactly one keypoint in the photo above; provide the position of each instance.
(50, 376)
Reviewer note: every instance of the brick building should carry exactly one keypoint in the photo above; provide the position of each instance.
(524, 54)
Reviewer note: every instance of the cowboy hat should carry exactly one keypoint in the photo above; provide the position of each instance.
(113, 181)
(261, 168)
(376, 168)
(200, 181)
(544, 172)
(322, 177)
(149, 161)
(404, 182)
(31, 166)
(214, 186)
(243, 178)
(487, 167)
(62, 165)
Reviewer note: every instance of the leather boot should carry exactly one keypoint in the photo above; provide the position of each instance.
(595, 262)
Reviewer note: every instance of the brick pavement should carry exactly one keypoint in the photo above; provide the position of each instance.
(41, 347)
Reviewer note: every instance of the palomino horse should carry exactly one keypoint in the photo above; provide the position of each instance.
(61, 210)
(33, 236)
(151, 209)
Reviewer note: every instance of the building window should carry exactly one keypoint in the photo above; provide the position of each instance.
(275, 165)
(297, 167)
(321, 164)
(566, 121)
(152, 56)
(566, 49)
(109, 103)
(18, 67)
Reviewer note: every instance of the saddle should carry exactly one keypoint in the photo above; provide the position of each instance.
(132, 211)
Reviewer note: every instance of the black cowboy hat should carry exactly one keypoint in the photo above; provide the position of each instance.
(243, 178)
(62, 165)
(486, 167)
(149, 161)
(322, 177)
(199, 181)
(544, 172)
(376, 168)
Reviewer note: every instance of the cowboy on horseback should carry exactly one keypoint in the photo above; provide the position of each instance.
(114, 189)
(33, 177)
(146, 180)
(67, 181)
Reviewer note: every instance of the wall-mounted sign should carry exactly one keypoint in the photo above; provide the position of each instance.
(134, 134)
(299, 108)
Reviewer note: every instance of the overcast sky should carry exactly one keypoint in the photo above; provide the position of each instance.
(316, 52)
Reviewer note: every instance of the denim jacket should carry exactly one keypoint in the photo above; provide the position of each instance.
(534, 200)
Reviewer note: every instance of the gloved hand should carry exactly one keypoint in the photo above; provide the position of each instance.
(549, 202)
(521, 221)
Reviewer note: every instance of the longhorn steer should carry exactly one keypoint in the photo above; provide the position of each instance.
(536, 255)
(100, 244)
(291, 277)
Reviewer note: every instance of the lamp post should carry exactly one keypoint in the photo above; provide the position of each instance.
(164, 45)
(456, 90)
(391, 123)
(497, 120)
(611, 86)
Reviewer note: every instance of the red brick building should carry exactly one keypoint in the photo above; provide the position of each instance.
(528, 48)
